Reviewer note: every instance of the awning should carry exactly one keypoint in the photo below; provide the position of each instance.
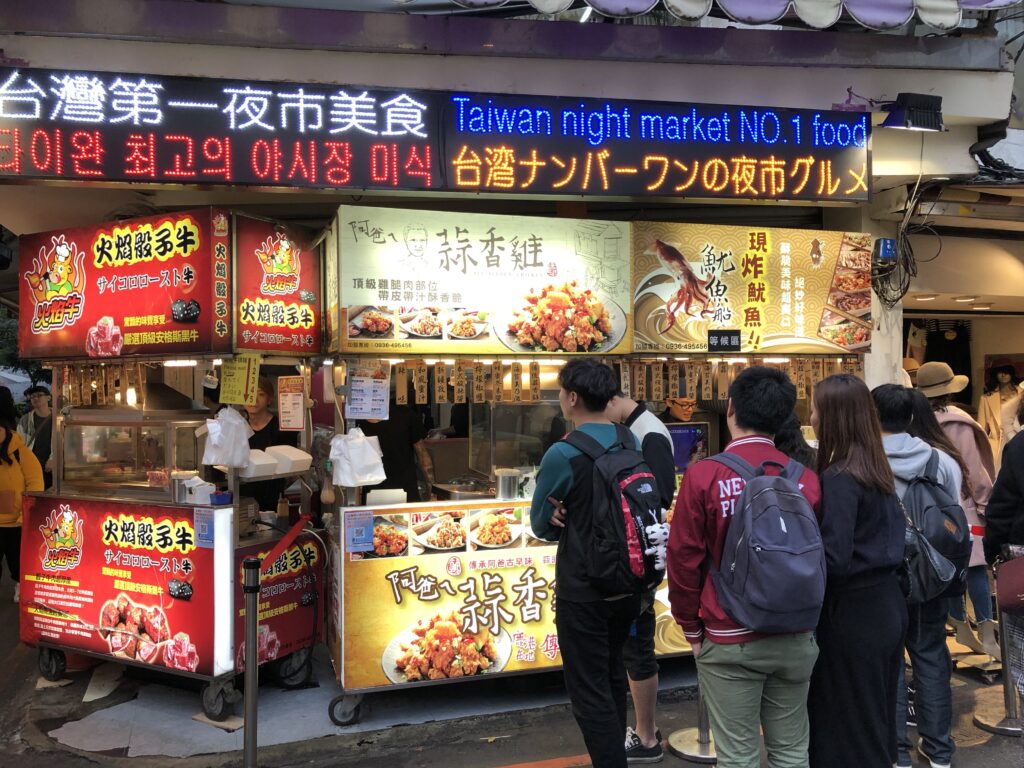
(873, 14)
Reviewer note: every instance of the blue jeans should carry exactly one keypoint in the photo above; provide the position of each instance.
(981, 597)
(933, 699)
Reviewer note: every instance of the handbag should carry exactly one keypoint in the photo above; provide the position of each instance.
(1010, 586)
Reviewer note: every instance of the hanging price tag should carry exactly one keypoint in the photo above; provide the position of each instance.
(723, 380)
(640, 381)
(101, 385)
(690, 372)
(517, 382)
(479, 383)
(858, 366)
(801, 380)
(460, 381)
(440, 382)
(791, 371)
(419, 381)
(657, 382)
(535, 382)
(673, 380)
(705, 383)
(734, 371)
(625, 379)
(112, 383)
(498, 381)
(401, 384)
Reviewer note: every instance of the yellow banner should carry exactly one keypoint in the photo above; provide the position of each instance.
(449, 591)
(773, 290)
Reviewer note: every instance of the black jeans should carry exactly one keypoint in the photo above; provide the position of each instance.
(591, 636)
(10, 548)
(933, 699)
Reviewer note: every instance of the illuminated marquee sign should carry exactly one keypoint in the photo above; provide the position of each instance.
(121, 127)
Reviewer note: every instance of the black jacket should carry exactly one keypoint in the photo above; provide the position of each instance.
(1004, 516)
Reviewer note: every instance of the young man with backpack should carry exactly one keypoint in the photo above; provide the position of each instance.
(643, 743)
(912, 460)
(752, 639)
(595, 495)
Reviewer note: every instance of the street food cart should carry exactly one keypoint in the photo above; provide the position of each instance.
(135, 553)
(482, 311)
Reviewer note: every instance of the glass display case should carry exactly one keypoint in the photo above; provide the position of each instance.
(125, 454)
(513, 434)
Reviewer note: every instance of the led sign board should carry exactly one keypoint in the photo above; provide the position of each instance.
(95, 126)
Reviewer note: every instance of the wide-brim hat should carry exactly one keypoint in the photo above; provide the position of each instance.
(936, 379)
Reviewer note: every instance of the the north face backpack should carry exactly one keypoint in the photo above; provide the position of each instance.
(625, 501)
(937, 548)
(772, 575)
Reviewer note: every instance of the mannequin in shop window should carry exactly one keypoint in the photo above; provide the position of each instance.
(998, 411)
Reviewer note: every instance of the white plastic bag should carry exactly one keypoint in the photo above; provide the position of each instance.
(356, 459)
(227, 440)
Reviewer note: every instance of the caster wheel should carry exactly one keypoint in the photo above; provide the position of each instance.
(215, 704)
(295, 669)
(344, 710)
(52, 664)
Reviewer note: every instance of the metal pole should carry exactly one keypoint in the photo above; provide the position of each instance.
(251, 588)
(695, 745)
(1010, 724)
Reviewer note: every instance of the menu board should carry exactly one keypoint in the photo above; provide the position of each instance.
(777, 290)
(468, 572)
(131, 581)
(277, 290)
(155, 285)
(438, 282)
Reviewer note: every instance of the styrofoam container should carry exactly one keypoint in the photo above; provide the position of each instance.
(260, 464)
(289, 458)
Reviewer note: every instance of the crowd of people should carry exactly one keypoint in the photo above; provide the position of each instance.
(834, 692)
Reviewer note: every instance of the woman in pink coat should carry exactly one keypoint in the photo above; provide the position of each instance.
(936, 381)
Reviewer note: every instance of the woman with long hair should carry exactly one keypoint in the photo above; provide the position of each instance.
(852, 700)
(790, 440)
(937, 382)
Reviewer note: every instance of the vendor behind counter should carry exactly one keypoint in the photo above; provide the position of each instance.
(266, 432)
(401, 443)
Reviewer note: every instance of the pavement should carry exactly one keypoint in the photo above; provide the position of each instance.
(145, 720)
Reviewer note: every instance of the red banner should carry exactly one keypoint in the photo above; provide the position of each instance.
(287, 593)
(156, 285)
(277, 290)
(131, 581)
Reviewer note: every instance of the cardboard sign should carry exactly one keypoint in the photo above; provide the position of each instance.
(419, 381)
(440, 383)
(517, 382)
(657, 382)
(673, 380)
(705, 382)
(534, 382)
(479, 383)
(498, 381)
(239, 380)
(401, 384)
(460, 381)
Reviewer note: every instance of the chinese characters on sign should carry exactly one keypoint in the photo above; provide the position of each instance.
(429, 281)
(154, 285)
(132, 127)
(703, 288)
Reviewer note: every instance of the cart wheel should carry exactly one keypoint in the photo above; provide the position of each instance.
(52, 664)
(344, 709)
(295, 669)
(215, 704)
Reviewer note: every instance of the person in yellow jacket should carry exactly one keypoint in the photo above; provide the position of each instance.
(19, 472)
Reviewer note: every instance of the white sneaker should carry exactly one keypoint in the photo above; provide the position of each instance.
(17, 591)
(932, 763)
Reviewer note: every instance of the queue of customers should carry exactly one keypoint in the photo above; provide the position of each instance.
(833, 693)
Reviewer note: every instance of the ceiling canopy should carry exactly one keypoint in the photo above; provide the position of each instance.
(874, 14)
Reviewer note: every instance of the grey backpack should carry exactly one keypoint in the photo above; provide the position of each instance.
(772, 575)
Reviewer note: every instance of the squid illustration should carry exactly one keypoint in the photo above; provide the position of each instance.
(691, 289)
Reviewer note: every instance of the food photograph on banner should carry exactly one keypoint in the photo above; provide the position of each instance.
(469, 576)
(457, 283)
(707, 288)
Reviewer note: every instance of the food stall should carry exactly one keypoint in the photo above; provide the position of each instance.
(482, 311)
(134, 555)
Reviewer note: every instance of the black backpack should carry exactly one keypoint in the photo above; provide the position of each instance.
(937, 548)
(625, 501)
(772, 574)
